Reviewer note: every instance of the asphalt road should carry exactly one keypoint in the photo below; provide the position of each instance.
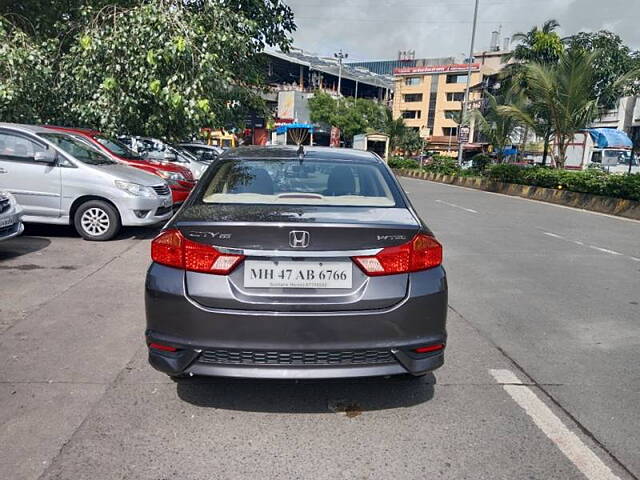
(541, 379)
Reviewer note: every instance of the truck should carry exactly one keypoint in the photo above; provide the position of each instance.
(607, 147)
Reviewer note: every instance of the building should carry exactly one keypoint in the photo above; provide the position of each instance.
(626, 117)
(429, 99)
(294, 76)
(405, 59)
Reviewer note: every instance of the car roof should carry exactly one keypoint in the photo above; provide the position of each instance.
(25, 128)
(82, 131)
(291, 152)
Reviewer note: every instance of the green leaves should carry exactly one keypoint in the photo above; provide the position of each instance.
(352, 116)
(85, 42)
(150, 67)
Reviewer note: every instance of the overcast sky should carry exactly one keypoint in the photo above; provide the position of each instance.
(377, 29)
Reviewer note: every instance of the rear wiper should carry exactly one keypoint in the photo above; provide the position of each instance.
(315, 196)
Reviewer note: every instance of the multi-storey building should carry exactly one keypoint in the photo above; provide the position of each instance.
(430, 98)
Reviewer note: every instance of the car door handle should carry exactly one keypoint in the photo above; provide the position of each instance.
(2, 170)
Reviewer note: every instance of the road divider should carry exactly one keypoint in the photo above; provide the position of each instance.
(585, 201)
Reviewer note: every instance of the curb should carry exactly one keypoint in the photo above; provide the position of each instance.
(586, 201)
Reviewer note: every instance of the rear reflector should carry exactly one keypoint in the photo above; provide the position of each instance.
(421, 253)
(172, 249)
(429, 348)
(164, 348)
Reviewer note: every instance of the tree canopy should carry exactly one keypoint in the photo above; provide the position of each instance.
(351, 115)
(612, 59)
(156, 67)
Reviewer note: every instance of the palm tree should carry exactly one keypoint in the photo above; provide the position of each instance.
(541, 45)
(496, 126)
(395, 128)
(561, 94)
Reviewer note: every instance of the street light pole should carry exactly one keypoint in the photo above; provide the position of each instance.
(340, 56)
(466, 90)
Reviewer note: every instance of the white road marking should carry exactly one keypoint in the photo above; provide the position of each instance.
(605, 250)
(530, 200)
(594, 247)
(567, 442)
(457, 206)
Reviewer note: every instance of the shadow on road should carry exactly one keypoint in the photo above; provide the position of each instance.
(18, 246)
(352, 397)
(67, 231)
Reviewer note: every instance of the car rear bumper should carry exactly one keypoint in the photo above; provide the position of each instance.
(270, 344)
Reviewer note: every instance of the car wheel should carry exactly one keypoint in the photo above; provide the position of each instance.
(97, 220)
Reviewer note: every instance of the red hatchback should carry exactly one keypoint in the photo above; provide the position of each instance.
(179, 178)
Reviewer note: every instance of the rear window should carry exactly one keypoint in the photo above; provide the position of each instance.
(291, 182)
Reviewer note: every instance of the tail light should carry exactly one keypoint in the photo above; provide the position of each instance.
(429, 348)
(172, 249)
(162, 347)
(421, 253)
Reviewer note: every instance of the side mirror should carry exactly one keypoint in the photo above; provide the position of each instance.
(45, 156)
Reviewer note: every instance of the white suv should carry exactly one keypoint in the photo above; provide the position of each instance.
(59, 179)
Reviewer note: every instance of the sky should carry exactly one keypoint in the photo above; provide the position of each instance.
(377, 29)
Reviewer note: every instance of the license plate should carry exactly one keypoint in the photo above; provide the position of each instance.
(8, 221)
(287, 274)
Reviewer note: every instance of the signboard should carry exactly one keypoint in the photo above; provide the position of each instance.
(463, 134)
(335, 137)
(455, 67)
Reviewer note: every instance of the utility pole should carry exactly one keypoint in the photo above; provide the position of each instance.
(466, 90)
(340, 56)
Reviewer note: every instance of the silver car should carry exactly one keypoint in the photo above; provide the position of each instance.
(10, 216)
(155, 149)
(60, 180)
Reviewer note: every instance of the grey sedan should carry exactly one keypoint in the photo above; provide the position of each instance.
(286, 263)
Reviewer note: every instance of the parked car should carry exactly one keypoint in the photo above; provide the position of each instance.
(287, 266)
(10, 215)
(155, 149)
(60, 179)
(179, 178)
(203, 152)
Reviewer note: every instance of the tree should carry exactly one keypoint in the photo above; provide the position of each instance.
(411, 141)
(563, 93)
(26, 75)
(352, 116)
(612, 59)
(396, 130)
(540, 45)
(163, 68)
(496, 126)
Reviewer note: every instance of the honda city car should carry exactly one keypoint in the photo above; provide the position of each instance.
(288, 263)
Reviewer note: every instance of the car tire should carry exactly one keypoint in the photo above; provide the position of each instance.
(97, 220)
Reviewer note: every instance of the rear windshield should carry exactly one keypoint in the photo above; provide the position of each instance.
(291, 182)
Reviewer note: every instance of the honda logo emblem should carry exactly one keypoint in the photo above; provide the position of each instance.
(299, 239)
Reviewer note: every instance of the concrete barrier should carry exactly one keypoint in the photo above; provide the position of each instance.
(585, 201)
